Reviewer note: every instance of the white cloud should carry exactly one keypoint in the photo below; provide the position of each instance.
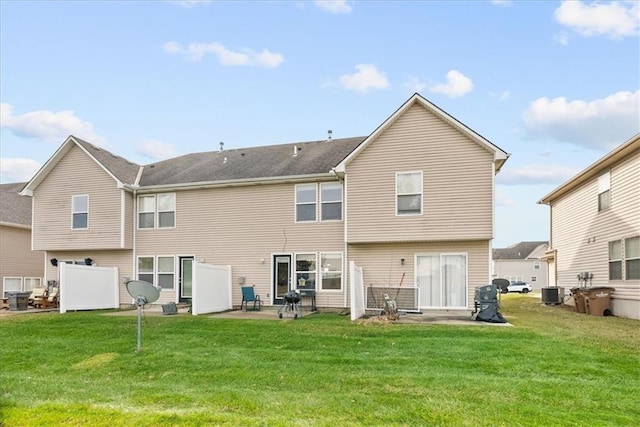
(18, 170)
(535, 174)
(196, 51)
(156, 150)
(48, 125)
(457, 85)
(600, 124)
(502, 2)
(616, 20)
(367, 77)
(414, 84)
(334, 6)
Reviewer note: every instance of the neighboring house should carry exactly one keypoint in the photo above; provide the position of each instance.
(595, 228)
(521, 263)
(21, 269)
(411, 203)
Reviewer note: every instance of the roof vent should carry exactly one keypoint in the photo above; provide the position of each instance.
(295, 151)
(221, 146)
(225, 160)
(329, 135)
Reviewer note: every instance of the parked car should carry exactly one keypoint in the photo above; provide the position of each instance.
(522, 287)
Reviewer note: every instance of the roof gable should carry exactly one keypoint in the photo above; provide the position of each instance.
(500, 156)
(519, 251)
(121, 170)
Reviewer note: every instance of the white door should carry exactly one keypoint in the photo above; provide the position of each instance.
(442, 280)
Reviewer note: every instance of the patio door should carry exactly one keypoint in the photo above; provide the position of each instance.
(281, 277)
(185, 278)
(442, 280)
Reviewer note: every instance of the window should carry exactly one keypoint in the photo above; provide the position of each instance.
(306, 271)
(331, 201)
(534, 278)
(32, 282)
(409, 193)
(306, 202)
(604, 196)
(10, 284)
(331, 271)
(536, 265)
(166, 210)
(165, 207)
(615, 260)
(145, 269)
(442, 279)
(632, 258)
(166, 272)
(146, 212)
(79, 212)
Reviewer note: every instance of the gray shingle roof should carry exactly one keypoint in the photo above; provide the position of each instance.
(120, 167)
(520, 250)
(14, 208)
(314, 157)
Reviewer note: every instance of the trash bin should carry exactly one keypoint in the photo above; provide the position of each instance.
(18, 300)
(597, 301)
(578, 297)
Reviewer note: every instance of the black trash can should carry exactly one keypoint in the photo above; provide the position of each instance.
(18, 301)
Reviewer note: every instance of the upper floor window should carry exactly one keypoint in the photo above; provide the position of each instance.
(306, 202)
(162, 204)
(409, 193)
(632, 258)
(331, 201)
(615, 260)
(604, 194)
(80, 212)
(536, 265)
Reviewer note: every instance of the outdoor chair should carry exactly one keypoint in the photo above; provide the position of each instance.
(51, 300)
(37, 295)
(249, 295)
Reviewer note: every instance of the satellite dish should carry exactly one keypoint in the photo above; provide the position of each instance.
(143, 293)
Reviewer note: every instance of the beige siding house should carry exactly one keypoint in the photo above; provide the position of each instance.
(595, 228)
(414, 197)
(21, 269)
(522, 262)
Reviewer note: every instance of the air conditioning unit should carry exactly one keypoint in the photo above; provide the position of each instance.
(552, 295)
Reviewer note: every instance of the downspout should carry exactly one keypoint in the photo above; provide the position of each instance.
(345, 261)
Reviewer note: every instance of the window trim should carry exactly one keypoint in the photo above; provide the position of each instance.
(156, 211)
(421, 193)
(296, 271)
(604, 187)
(74, 212)
(153, 211)
(615, 260)
(626, 260)
(158, 273)
(320, 273)
(315, 203)
(4, 284)
(322, 201)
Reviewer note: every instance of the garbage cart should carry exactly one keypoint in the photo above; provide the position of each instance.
(578, 297)
(597, 300)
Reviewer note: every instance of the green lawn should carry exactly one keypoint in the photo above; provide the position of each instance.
(553, 367)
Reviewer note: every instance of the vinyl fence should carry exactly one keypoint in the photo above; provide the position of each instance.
(211, 288)
(357, 291)
(84, 287)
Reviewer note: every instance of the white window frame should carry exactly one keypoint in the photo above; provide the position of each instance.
(627, 258)
(159, 211)
(146, 273)
(536, 265)
(604, 188)
(612, 259)
(166, 273)
(322, 272)
(297, 272)
(156, 211)
(441, 256)
(297, 203)
(421, 193)
(4, 285)
(75, 212)
(152, 211)
(37, 283)
(323, 201)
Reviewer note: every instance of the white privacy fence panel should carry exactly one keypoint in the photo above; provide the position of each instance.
(211, 288)
(357, 291)
(84, 287)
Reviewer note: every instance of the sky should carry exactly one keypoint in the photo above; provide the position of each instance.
(555, 84)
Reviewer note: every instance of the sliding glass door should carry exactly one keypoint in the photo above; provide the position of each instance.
(442, 280)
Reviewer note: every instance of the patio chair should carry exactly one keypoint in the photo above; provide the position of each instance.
(249, 295)
(51, 300)
(37, 295)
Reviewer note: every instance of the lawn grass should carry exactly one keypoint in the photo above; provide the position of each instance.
(554, 367)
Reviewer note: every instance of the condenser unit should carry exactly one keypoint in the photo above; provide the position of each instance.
(552, 295)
